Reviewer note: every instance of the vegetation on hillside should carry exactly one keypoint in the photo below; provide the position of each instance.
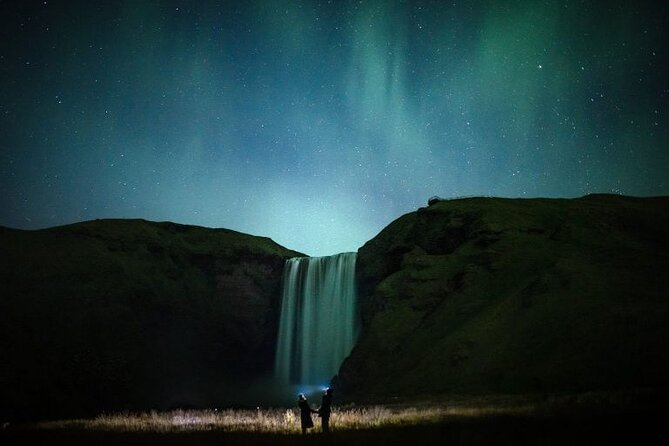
(489, 295)
(123, 314)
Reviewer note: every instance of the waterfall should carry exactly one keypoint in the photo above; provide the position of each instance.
(319, 323)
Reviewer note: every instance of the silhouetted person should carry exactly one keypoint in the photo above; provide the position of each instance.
(324, 411)
(305, 413)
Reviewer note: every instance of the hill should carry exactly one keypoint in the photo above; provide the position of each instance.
(123, 314)
(490, 295)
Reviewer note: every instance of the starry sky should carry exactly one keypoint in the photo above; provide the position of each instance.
(317, 123)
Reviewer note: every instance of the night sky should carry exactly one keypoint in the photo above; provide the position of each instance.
(317, 123)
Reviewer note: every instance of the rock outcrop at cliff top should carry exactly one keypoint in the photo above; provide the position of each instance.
(123, 314)
(488, 295)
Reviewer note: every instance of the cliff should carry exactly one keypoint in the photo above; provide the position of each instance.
(490, 295)
(123, 314)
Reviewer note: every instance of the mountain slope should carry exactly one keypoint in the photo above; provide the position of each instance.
(488, 295)
(122, 314)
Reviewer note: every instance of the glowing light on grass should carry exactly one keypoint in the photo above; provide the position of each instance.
(277, 421)
(287, 420)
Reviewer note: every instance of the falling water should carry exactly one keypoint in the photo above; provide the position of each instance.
(318, 325)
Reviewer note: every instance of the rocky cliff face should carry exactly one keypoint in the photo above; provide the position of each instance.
(489, 295)
(122, 314)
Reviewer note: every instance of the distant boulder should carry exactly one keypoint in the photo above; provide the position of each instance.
(434, 199)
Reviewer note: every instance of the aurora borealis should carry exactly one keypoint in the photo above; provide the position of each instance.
(317, 123)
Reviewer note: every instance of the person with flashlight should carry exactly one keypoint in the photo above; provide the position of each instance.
(324, 411)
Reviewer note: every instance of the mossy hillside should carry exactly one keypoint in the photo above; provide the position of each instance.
(497, 295)
(128, 313)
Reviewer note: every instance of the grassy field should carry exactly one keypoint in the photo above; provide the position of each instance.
(592, 418)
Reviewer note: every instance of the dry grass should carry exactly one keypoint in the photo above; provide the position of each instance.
(274, 421)
(351, 418)
(586, 418)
